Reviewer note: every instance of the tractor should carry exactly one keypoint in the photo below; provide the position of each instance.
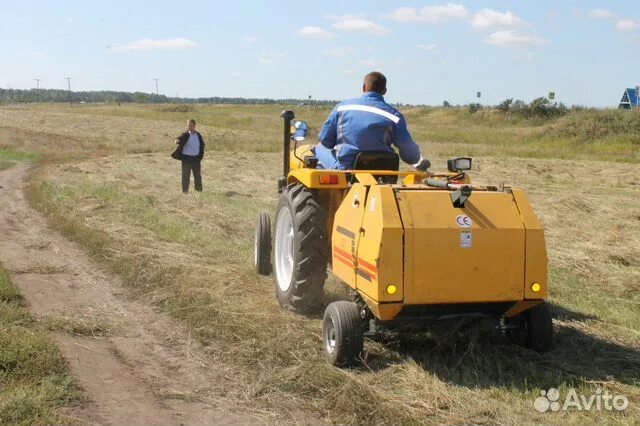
(412, 247)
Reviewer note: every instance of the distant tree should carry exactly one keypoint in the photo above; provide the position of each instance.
(539, 106)
(519, 104)
(474, 107)
(446, 104)
(505, 105)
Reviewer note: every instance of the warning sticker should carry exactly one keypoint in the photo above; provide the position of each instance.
(465, 239)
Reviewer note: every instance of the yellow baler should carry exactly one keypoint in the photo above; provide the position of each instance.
(411, 246)
(410, 253)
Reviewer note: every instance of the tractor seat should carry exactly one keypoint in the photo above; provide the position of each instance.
(371, 160)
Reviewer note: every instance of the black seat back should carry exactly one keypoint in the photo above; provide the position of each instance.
(379, 161)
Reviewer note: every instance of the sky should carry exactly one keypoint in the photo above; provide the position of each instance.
(585, 51)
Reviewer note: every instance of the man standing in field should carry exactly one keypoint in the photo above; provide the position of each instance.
(191, 151)
(366, 124)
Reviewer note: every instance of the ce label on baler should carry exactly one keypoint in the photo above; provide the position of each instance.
(464, 221)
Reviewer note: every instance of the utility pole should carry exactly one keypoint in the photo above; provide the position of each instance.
(70, 96)
(157, 93)
(38, 80)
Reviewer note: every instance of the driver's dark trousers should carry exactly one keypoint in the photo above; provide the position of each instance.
(191, 164)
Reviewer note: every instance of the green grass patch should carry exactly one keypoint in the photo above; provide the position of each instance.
(9, 157)
(34, 382)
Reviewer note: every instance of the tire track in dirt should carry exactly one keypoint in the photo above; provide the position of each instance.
(149, 371)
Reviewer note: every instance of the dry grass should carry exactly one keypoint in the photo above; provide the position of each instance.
(192, 257)
(90, 322)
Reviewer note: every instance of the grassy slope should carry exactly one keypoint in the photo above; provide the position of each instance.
(124, 211)
(34, 383)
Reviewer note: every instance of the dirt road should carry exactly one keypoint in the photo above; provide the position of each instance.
(146, 372)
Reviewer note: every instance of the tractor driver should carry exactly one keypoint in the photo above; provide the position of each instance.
(366, 124)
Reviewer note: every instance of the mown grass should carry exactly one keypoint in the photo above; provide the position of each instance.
(192, 257)
(34, 382)
(582, 134)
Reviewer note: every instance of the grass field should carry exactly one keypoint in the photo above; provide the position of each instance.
(106, 180)
(35, 386)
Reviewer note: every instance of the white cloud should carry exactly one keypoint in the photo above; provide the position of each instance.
(620, 24)
(315, 33)
(348, 71)
(627, 25)
(356, 23)
(338, 51)
(38, 54)
(601, 14)
(431, 46)
(269, 58)
(512, 39)
(236, 74)
(147, 44)
(405, 14)
(444, 13)
(249, 39)
(487, 19)
(430, 14)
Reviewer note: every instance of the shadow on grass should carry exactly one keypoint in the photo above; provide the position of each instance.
(474, 354)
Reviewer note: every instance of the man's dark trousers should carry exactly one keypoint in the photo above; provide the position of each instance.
(191, 165)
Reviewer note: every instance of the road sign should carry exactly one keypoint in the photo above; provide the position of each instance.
(552, 95)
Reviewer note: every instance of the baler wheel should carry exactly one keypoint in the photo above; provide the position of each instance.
(342, 334)
(533, 329)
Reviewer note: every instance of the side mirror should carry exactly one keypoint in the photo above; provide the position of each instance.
(299, 130)
(459, 164)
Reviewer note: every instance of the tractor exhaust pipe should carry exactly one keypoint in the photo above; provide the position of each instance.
(287, 117)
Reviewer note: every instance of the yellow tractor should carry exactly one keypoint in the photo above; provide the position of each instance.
(412, 247)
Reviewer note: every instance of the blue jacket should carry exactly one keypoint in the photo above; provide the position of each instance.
(367, 123)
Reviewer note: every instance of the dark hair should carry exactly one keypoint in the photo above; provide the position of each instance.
(375, 82)
(191, 120)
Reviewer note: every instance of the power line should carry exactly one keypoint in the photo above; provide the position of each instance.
(70, 96)
(38, 80)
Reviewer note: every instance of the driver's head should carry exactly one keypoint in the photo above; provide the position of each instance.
(375, 82)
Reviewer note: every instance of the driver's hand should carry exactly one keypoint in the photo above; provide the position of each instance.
(422, 165)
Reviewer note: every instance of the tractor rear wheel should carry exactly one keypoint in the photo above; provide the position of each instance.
(342, 333)
(262, 249)
(299, 252)
(533, 329)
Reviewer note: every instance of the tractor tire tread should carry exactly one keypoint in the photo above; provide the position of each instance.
(263, 246)
(309, 272)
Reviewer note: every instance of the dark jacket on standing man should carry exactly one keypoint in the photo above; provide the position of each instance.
(182, 140)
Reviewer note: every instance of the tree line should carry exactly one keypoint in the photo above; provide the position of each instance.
(537, 108)
(110, 96)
